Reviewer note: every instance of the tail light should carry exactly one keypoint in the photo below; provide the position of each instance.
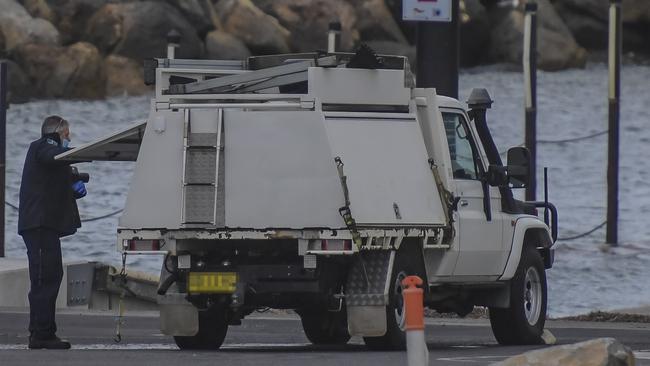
(141, 245)
(335, 244)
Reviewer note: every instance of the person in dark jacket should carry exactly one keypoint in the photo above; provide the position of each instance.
(47, 212)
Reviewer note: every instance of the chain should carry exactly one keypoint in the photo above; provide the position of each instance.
(447, 198)
(119, 319)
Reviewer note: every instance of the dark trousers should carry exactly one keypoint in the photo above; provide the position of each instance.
(45, 275)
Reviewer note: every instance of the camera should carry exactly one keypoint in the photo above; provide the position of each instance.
(77, 176)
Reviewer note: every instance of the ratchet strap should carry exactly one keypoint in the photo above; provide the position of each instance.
(345, 211)
(119, 320)
(447, 198)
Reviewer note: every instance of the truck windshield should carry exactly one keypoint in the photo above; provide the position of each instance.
(460, 148)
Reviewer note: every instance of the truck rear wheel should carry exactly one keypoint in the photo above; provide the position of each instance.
(213, 327)
(395, 337)
(325, 327)
(523, 322)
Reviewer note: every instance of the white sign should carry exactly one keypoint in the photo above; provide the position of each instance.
(426, 10)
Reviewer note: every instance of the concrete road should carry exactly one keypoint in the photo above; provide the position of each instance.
(278, 340)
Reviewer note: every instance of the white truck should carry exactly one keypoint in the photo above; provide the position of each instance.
(316, 182)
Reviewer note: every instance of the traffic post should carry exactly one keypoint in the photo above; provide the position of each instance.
(437, 45)
(4, 84)
(530, 81)
(614, 94)
(416, 345)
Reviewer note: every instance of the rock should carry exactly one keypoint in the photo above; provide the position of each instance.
(19, 86)
(636, 12)
(597, 352)
(124, 76)
(308, 21)
(71, 16)
(474, 33)
(201, 14)
(587, 21)
(220, 45)
(18, 27)
(557, 49)
(375, 22)
(75, 71)
(40, 9)
(261, 33)
(139, 30)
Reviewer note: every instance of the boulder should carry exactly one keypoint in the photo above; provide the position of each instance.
(75, 71)
(375, 22)
(18, 27)
(124, 77)
(139, 30)
(596, 352)
(19, 86)
(587, 21)
(220, 45)
(201, 14)
(636, 12)
(40, 9)
(556, 47)
(474, 33)
(70, 16)
(308, 21)
(261, 33)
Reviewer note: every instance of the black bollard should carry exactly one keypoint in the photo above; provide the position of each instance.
(614, 61)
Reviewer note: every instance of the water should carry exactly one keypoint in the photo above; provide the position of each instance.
(571, 104)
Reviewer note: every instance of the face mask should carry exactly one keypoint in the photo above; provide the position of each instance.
(66, 142)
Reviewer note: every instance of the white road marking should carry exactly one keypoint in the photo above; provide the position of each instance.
(642, 355)
(162, 346)
(476, 359)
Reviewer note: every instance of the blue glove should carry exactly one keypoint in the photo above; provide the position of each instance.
(79, 189)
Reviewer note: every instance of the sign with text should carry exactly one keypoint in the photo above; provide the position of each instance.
(426, 10)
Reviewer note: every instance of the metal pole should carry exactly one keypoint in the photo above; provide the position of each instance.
(334, 37)
(438, 54)
(614, 60)
(530, 82)
(173, 42)
(3, 140)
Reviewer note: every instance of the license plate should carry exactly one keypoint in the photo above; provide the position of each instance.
(212, 282)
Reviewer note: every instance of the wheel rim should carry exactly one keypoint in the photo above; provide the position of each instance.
(532, 296)
(399, 300)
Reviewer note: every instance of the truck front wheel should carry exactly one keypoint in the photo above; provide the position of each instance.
(213, 327)
(325, 327)
(523, 322)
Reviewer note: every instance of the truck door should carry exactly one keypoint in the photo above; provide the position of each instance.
(480, 241)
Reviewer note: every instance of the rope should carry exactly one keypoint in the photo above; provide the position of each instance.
(574, 139)
(583, 234)
(83, 220)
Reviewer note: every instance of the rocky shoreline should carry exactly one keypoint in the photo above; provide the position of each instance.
(91, 49)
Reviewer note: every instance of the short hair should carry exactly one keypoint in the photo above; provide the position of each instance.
(53, 124)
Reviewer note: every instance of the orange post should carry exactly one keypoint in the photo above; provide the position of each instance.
(413, 303)
(416, 346)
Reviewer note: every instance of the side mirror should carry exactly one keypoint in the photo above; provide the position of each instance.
(519, 167)
(497, 176)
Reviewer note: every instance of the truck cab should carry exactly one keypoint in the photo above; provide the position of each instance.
(316, 182)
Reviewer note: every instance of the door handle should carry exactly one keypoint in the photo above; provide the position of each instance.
(464, 203)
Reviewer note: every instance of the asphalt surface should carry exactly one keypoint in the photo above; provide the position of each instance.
(266, 339)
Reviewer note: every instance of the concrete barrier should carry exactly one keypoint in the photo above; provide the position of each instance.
(85, 285)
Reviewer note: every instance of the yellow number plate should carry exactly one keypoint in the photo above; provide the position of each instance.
(212, 282)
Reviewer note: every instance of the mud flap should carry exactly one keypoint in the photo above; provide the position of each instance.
(178, 317)
(367, 293)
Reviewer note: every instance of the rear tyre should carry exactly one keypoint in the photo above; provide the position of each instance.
(325, 327)
(395, 337)
(213, 326)
(523, 322)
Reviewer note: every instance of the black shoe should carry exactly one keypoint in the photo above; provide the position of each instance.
(51, 343)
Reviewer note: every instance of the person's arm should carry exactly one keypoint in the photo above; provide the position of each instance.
(47, 152)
